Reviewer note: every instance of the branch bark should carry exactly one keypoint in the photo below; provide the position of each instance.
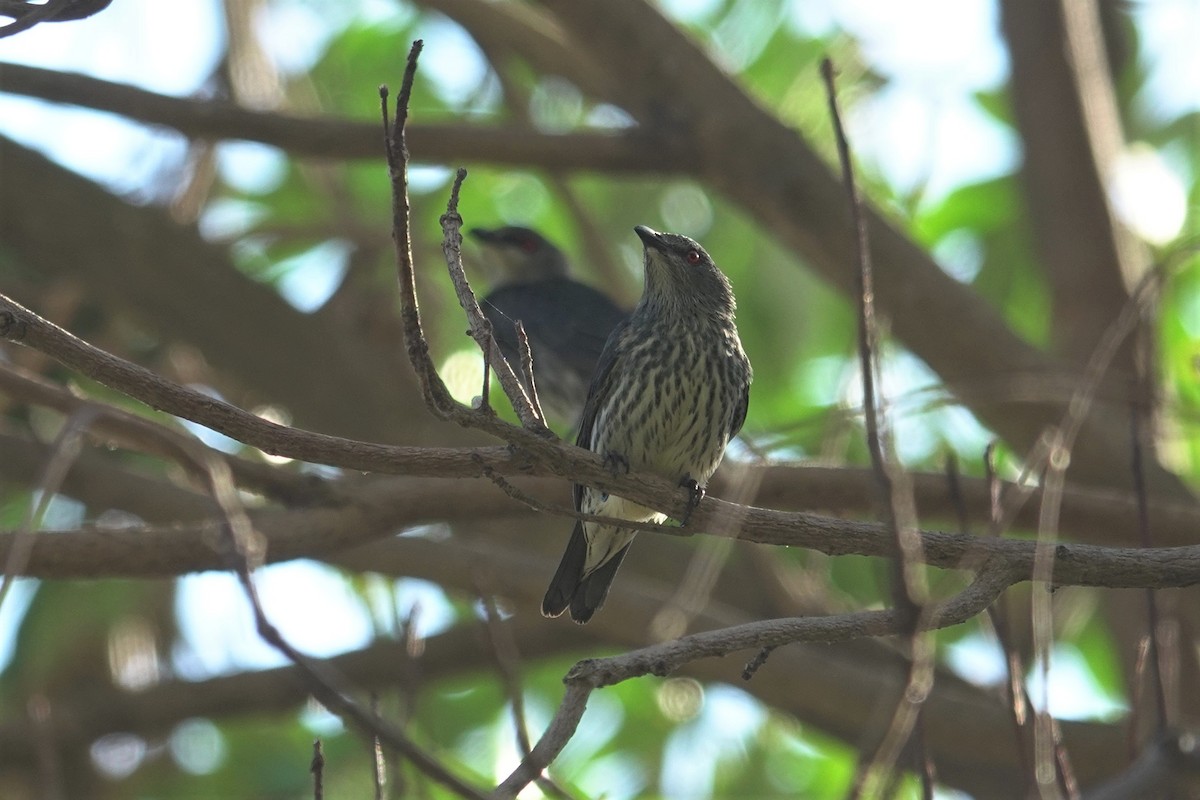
(1070, 127)
(612, 152)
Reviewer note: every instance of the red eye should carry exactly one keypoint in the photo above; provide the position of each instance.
(528, 245)
(693, 257)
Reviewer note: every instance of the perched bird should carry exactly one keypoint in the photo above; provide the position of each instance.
(565, 321)
(670, 391)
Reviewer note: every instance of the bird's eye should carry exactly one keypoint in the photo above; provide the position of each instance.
(693, 257)
(528, 245)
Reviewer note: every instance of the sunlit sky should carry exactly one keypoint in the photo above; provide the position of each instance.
(935, 54)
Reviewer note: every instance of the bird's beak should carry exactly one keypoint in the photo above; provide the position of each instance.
(483, 235)
(649, 237)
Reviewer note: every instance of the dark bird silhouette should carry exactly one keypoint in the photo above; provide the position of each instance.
(567, 322)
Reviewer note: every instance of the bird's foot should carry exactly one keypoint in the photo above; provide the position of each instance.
(697, 494)
(616, 463)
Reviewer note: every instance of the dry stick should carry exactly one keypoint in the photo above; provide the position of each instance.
(317, 768)
(144, 435)
(45, 12)
(527, 368)
(378, 766)
(1083, 395)
(560, 730)
(1051, 762)
(1153, 661)
(507, 659)
(485, 394)
(480, 327)
(549, 456)
(246, 551)
(63, 454)
(323, 685)
(1014, 685)
(906, 584)
(1050, 768)
(1115, 567)
(436, 395)
(666, 657)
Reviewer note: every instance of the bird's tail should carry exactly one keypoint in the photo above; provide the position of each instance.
(570, 588)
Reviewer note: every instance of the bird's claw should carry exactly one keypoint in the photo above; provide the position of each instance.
(696, 495)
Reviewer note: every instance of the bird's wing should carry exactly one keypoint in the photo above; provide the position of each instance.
(583, 335)
(739, 411)
(602, 382)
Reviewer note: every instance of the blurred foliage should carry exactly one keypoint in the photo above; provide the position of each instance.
(641, 736)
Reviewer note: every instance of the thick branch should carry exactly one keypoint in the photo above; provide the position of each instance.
(137, 259)
(1067, 116)
(841, 682)
(323, 137)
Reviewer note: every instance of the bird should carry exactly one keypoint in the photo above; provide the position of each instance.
(566, 322)
(671, 389)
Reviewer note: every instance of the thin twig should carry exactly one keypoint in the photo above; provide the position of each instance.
(317, 768)
(434, 390)
(1153, 662)
(135, 432)
(479, 326)
(508, 660)
(1014, 685)
(907, 588)
(562, 727)
(65, 451)
(754, 664)
(378, 765)
(527, 368)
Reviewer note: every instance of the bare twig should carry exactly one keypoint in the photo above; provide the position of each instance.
(436, 394)
(907, 588)
(561, 729)
(1154, 660)
(26, 15)
(158, 551)
(1095, 512)
(755, 664)
(1014, 685)
(378, 765)
(665, 658)
(508, 660)
(324, 686)
(65, 451)
(146, 436)
(317, 768)
(527, 368)
(480, 327)
(621, 152)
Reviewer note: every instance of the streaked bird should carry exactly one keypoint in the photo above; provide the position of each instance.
(670, 391)
(566, 321)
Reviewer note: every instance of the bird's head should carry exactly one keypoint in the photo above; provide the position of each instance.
(680, 273)
(519, 255)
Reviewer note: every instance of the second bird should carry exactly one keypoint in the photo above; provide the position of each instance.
(670, 391)
(566, 322)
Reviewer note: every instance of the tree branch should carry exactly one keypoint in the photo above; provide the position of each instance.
(1070, 128)
(616, 152)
